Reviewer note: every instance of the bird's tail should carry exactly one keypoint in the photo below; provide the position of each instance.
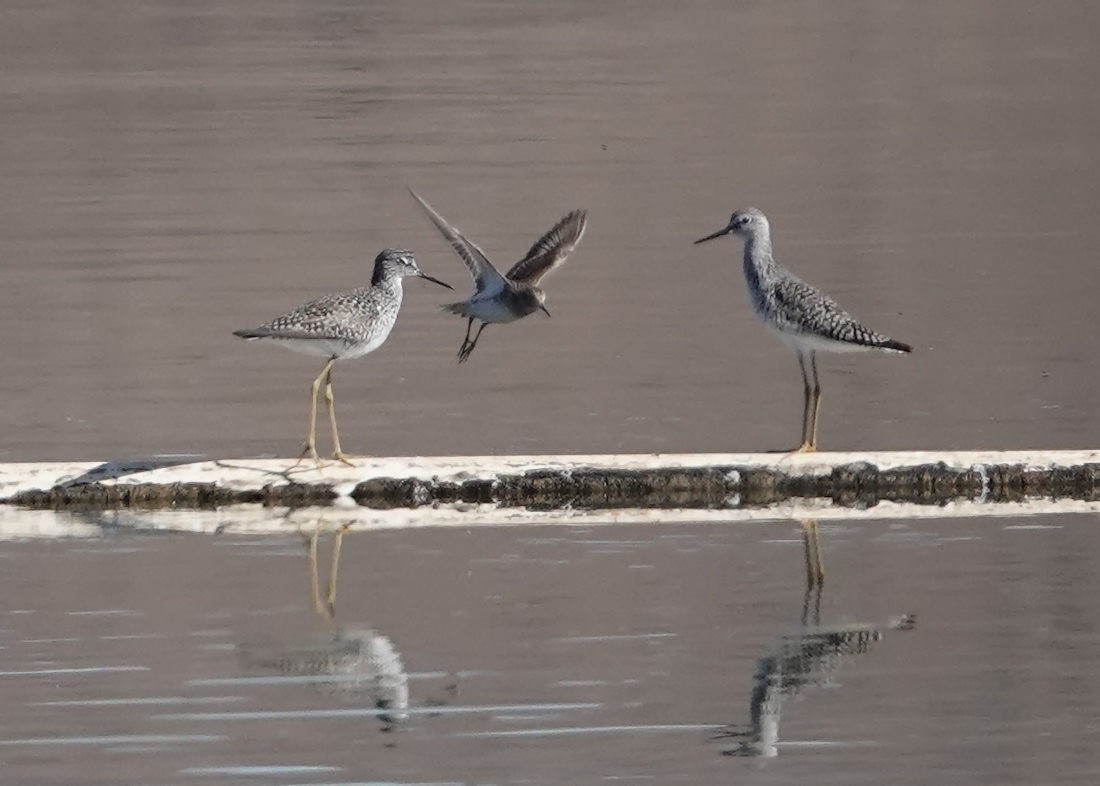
(894, 346)
(455, 308)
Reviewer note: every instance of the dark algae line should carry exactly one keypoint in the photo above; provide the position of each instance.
(858, 485)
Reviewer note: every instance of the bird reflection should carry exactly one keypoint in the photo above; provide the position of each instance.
(807, 657)
(815, 567)
(362, 661)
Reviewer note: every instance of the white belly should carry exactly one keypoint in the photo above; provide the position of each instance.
(490, 309)
(327, 348)
(808, 342)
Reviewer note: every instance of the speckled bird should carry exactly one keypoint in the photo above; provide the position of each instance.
(344, 325)
(505, 298)
(801, 315)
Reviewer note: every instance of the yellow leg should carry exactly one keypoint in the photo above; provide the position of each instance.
(310, 448)
(815, 568)
(809, 402)
(314, 581)
(330, 595)
(330, 405)
(816, 402)
(327, 607)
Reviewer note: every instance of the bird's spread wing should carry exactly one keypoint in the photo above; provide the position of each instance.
(551, 249)
(485, 275)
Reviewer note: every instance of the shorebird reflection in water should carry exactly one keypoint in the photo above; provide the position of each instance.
(354, 662)
(801, 315)
(505, 298)
(344, 325)
(809, 656)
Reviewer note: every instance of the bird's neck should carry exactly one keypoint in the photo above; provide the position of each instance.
(392, 286)
(385, 277)
(759, 264)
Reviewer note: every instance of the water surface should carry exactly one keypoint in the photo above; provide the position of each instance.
(557, 654)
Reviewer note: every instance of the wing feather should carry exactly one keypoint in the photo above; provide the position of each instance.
(551, 249)
(806, 309)
(484, 274)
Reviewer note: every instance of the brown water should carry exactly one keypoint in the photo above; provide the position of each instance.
(551, 655)
(173, 172)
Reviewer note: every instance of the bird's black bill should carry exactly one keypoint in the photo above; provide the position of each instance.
(719, 233)
(545, 310)
(436, 281)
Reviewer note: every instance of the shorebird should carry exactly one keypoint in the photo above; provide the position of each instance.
(344, 325)
(497, 298)
(801, 315)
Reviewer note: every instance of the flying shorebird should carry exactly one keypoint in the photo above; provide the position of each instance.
(497, 298)
(801, 315)
(345, 325)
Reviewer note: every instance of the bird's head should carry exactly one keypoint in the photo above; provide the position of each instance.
(531, 299)
(745, 222)
(400, 263)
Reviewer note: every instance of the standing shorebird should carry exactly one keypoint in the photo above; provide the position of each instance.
(801, 315)
(516, 294)
(344, 325)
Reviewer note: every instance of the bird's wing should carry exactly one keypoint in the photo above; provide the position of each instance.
(551, 249)
(809, 310)
(485, 275)
(326, 317)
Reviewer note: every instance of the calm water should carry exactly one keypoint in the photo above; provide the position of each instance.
(554, 654)
(173, 172)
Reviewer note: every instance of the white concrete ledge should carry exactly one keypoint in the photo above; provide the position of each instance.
(723, 479)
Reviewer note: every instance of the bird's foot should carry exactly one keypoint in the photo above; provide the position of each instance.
(342, 457)
(786, 453)
(793, 451)
(464, 352)
(309, 449)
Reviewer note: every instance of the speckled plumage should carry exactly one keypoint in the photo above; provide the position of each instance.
(794, 307)
(800, 314)
(342, 325)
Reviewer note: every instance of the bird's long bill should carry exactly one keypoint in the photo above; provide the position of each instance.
(545, 310)
(436, 281)
(719, 233)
